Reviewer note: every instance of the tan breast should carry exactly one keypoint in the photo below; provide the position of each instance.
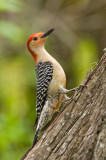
(58, 79)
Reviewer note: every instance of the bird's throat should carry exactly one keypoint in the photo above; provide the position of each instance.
(40, 54)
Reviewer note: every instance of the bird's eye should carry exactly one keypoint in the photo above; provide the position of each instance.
(35, 38)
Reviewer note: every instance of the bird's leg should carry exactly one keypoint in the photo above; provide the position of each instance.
(66, 99)
(65, 91)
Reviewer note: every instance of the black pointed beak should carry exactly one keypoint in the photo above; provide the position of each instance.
(45, 34)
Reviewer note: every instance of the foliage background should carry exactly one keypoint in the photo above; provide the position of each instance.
(77, 42)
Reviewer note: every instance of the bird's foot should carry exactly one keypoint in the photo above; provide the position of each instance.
(81, 86)
(65, 91)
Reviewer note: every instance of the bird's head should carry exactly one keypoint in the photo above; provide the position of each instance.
(37, 40)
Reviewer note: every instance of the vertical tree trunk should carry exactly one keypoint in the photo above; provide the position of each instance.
(79, 130)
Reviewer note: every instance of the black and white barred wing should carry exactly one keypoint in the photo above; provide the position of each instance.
(44, 73)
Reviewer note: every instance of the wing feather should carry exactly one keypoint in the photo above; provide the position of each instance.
(44, 73)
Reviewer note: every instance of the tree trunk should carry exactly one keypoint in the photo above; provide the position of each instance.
(79, 130)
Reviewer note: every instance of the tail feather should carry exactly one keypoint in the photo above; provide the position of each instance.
(33, 144)
(35, 138)
(36, 122)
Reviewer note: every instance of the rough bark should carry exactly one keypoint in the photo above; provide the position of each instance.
(79, 130)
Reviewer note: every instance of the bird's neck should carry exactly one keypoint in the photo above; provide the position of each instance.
(40, 54)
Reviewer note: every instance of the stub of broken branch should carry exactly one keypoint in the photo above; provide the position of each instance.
(79, 130)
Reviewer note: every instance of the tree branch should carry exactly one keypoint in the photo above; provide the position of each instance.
(79, 130)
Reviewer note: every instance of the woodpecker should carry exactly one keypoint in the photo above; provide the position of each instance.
(50, 78)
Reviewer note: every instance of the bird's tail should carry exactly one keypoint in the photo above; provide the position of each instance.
(33, 144)
(35, 138)
(36, 122)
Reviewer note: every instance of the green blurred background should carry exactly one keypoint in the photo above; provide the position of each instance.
(77, 42)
